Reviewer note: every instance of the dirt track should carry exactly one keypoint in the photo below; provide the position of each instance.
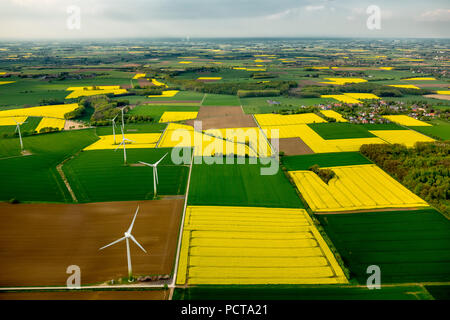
(223, 117)
(39, 241)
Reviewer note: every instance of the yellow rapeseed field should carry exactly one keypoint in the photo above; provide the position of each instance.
(159, 84)
(386, 68)
(269, 119)
(362, 96)
(139, 76)
(342, 81)
(141, 140)
(185, 62)
(9, 121)
(333, 114)
(421, 79)
(443, 92)
(406, 120)
(317, 143)
(357, 187)
(209, 78)
(93, 91)
(341, 97)
(53, 111)
(406, 137)
(6, 82)
(52, 123)
(173, 116)
(165, 94)
(238, 141)
(249, 245)
(406, 86)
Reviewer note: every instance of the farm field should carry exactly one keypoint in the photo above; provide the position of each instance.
(406, 137)
(330, 131)
(322, 292)
(408, 246)
(439, 129)
(88, 295)
(240, 185)
(220, 100)
(100, 175)
(52, 247)
(303, 162)
(283, 246)
(211, 142)
(34, 177)
(132, 128)
(357, 187)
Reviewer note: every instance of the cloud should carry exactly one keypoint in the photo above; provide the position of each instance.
(437, 15)
(314, 8)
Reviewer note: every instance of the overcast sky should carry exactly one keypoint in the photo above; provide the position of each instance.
(42, 19)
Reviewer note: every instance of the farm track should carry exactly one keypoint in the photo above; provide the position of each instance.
(64, 178)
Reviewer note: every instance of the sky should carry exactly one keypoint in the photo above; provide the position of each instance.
(56, 19)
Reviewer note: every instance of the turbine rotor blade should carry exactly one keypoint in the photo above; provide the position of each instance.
(118, 146)
(147, 164)
(132, 223)
(161, 159)
(112, 243)
(135, 241)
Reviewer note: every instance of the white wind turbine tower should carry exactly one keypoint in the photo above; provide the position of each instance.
(123, 123)
(18, 124)
(114, 127)
(127, 236)
(155, 172)
(123, 142)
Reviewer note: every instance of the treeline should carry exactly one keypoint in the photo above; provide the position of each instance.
(232, 88)
(425, 169)
(104, 107)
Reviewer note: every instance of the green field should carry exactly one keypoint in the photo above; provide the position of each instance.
(407, 292)
(439, 130)
(29, 126)
(336, 130)
(240, 185)
(132, 128)
(34, 177)
(303, 162)
(100, 175)
(220, 100)
(260, 104)
(408, 246)
(382, 126)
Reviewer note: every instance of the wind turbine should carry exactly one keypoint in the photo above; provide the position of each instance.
(114, 127)
(124, 140)
(126, 237)
(123, 124)
(155, 172)
(18, 124)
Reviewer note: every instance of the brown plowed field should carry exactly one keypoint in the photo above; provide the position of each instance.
(39, 241)
(223, 117)
(87, 295)
(294, 147)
